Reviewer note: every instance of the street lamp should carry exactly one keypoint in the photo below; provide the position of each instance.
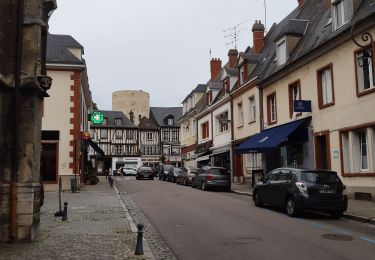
(366, 43)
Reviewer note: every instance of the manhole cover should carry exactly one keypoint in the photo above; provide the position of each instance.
(338, 237)
(247, 240)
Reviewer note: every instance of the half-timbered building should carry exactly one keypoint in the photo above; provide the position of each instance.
(117, 136)
(149, 141)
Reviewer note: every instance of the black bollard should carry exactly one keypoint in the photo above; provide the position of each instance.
(65, 213)
(59, 213)
(139, 245)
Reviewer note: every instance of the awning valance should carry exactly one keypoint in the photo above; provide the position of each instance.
(269, 139)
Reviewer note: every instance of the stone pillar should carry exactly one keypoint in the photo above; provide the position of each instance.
(20, 120)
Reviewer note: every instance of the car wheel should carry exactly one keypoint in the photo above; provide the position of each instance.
(137, 178)
(203, 186)
(290, 207)
(257, 200)
(336, 214)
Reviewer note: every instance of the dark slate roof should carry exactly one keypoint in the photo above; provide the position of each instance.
(58, 49)
(233, 72)
(147, 124)
(160, 114)
(201, 88)
(295, 27)
(318, 32)
(112, 115)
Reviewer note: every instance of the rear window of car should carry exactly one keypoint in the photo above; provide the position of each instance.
(216, 171)
(320, 177)
(177, 170)
(168, 167)
(145, 169)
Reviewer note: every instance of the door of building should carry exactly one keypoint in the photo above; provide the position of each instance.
(322, 150)
(49, 162)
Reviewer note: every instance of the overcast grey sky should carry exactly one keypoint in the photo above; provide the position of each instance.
(159, 46)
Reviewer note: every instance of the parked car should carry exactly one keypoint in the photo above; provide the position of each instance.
(165, 168)
(144, 172)
(212, 177)
(173, 174)
(128, 171)
(186, 176)
(297, 189)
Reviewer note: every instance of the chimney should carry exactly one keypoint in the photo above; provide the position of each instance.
(300, 3)
(215, 67)
(258, 37)
(232, 57)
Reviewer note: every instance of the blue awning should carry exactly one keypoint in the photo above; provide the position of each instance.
(269, 139)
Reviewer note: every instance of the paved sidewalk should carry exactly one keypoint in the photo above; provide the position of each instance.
(359, 210)
(97, 228)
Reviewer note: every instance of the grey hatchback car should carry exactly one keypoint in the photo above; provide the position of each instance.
(212, 177)
(297, 189)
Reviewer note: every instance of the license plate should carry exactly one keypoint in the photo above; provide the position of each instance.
(325, 191)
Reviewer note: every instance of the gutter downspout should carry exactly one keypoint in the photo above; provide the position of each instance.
(17, 84)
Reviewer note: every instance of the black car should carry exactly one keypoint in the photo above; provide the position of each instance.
(163, 173)
(144, 172)
(301, 189)
(212, 177)
(173, 174)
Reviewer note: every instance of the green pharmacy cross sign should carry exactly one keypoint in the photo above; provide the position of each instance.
(97, 118)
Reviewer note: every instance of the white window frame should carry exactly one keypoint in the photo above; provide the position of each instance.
(118, 134)
(170, 121)
(240, 114)
(363, 149)
(360, 72)
(327, 92)
(338, 8)
(281, 51)
(272, 106)
(252, 109)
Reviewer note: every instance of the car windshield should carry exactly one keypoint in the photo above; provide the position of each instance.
(218, 171)
(176, 170)
(320, 177)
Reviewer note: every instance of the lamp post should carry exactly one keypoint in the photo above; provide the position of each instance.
(365, 42)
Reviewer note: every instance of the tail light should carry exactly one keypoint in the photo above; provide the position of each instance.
(210, 177)
(302, 187)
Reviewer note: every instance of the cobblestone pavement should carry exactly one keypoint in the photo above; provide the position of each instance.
(97, 228)
(159, 248)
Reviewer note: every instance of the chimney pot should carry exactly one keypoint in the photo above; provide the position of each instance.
(232, 56)
(258, 37)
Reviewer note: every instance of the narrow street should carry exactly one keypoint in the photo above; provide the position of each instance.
(197, 224)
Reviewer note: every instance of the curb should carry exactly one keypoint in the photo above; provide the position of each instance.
(346, 215)
(146, 249)
(359, 218)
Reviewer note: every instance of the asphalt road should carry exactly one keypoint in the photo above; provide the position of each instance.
(200, 224)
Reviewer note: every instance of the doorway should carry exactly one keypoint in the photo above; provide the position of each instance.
(49, 162)
(322, 150)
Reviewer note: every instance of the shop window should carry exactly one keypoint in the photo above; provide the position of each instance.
(357, 148)
(365, 71)
(325, 86)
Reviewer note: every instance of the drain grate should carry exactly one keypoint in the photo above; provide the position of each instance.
(339, 237)
(247, 240)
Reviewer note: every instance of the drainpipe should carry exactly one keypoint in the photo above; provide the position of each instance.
(17, 84)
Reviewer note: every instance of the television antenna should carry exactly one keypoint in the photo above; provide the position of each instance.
(233, 34)
(265, 15)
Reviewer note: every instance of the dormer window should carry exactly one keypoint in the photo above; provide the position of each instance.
(242, 74)
(170, 121)
(341, 12)
(281, 54)
(118, 121)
